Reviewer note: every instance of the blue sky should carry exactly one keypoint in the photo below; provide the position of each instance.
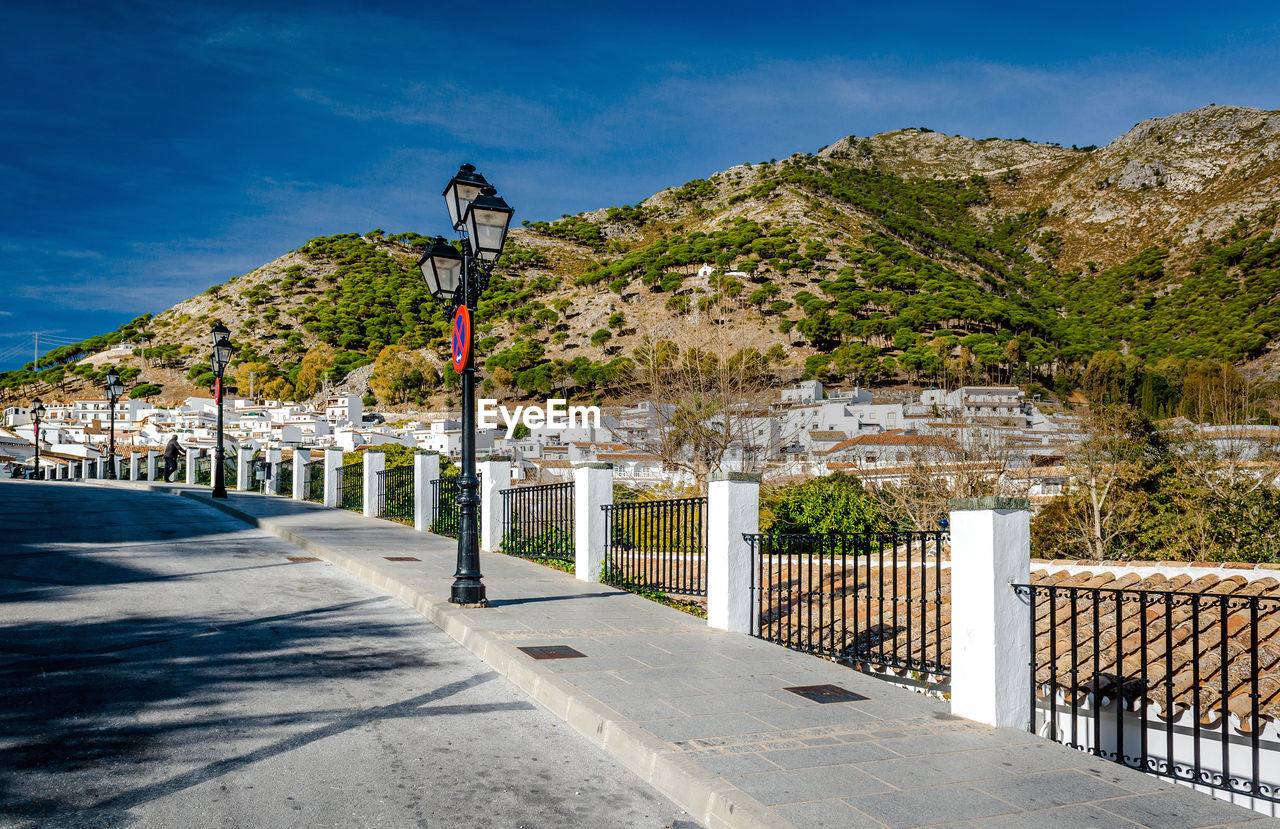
(150, 150)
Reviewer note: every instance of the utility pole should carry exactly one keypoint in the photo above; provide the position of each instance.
(251, 397)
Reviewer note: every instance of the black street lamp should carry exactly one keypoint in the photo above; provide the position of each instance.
(37, 411)
(219, 359)
(460, 278)
(114, 389)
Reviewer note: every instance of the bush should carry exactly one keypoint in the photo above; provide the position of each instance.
(832, 504)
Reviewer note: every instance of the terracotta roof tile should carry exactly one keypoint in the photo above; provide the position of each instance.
(1183, 635)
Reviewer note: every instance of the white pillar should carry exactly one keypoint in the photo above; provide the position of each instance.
(244, 457)
(135, 465)
(990, 637)
(592, 489)
(733, 508)
(375, 461)
(153, 455)
(426, 468)
(301, 457)
(495, 476)
(192, 454)
(332, 482)
(272, 484)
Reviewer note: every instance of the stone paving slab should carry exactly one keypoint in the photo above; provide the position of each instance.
(702, 715)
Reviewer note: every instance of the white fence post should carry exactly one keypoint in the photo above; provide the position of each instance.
(244, 457)
(733, 508)
(332, 478)
(192, 454)
(495, 476)
(374, 461)
(272, 484)
(592, 489)
(301, 457)
(426, 468)
(135, 465)
(990, 640)
(153, 455)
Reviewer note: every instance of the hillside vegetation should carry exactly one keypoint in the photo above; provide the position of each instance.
(908, 256)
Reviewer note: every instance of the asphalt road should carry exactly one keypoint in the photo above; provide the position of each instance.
(186, 674)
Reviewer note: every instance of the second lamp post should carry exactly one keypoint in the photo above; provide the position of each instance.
(459, 278)
(37, 412)
(114, 389)
(219, 359)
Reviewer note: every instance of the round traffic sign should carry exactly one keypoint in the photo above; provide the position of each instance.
(461, 349)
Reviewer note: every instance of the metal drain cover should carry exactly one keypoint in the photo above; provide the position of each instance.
(553, 652)
(826, 693)
(401, 558)
(302, 558)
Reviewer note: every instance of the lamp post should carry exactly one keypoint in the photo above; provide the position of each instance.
(37, 411)
(459, 278)
(219, 359)
(114, 389)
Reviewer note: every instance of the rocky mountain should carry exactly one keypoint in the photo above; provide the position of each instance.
(904, 256)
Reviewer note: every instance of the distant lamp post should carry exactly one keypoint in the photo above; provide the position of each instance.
(219, 359)
(37, 412)
(114, 389)
(459, 278)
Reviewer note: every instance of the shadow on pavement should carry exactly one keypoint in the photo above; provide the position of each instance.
(110, 701)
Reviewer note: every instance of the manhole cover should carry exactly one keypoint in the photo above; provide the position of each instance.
(553, 652)
(401, 558)
(826, 693)
(302, 558)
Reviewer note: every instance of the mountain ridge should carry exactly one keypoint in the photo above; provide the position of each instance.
(875, 259)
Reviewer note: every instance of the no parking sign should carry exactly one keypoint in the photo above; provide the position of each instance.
(461, 349)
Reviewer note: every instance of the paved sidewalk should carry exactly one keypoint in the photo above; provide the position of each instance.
(703, 715)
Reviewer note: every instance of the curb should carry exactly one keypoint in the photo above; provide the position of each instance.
(705, 796)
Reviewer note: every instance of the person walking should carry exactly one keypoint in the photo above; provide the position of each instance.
(171, 452)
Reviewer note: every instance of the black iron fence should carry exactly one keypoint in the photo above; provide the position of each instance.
(537, 521)
(315, 482)
(444, 505)
(258, 471)
(395, 488)
(351, 486)
(880, 601)
(204, 471)
(284, 470)
(657, 546)
(1155, 679)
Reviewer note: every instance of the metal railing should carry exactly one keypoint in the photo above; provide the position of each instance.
(875, 600)
(204, 471)
(258, 471)
(315, 482)
(395, 488)
(657, 546)
(537, 521)
(351, 486)
(1153, 679)
(444, 503)
(285, 470)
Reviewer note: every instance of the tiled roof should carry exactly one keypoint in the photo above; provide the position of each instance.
(894, 438)
(1196, 639)
(1201, 636)
(819, 434)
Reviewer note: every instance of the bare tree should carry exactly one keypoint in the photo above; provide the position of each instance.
(1108, 468)
(706, 391)
(1231, 465)
(955, 459)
